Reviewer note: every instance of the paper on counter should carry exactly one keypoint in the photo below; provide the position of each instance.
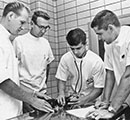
(81, 112)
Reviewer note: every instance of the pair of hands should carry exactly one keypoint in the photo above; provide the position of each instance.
(101, 111)
(101, 108)
(74, 99)
(40, 103)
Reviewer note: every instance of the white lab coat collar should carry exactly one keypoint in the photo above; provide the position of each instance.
(5, 31)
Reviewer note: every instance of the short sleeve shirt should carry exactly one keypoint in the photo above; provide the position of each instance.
(91, 71)
(9, 106)
(34, 54)
(117, 55)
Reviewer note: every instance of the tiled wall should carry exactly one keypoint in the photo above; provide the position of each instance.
(77, 13)
(65, 15)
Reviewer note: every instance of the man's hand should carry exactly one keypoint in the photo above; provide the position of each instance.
(100, 113)
(102, 104)
(41, 104)
(61, 99)
(83, 102)
(42, 95)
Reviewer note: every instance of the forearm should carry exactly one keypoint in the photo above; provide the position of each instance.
(12, 89)
(61, 87)
(93, 95)
(109, 85)
(122, 92)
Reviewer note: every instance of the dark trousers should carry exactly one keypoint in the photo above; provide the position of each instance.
(127, 114)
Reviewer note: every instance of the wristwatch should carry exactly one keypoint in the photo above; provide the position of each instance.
(111, 110)
(34, 93)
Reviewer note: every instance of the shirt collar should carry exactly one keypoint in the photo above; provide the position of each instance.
(78, 59)
(33, 37)
(5, 31)
(122, 40)
(119, 42)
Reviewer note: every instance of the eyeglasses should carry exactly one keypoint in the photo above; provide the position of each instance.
(43, 27)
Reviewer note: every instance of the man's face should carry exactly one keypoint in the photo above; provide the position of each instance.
(78, 50)
(104, 35)
(41, 27)
(16, 24)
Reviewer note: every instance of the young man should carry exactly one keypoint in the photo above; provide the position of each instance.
(34, 54)
(15, 15)
(83, 68)
(117, 58)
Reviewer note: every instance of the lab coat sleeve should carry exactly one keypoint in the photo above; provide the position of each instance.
(107, 58)
(3, 67)
(62, 71)
(50, 54)
(99, 74)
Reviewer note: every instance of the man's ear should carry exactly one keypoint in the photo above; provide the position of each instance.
(10, 15)
(32, 22)
(111, 27)
(85, 43)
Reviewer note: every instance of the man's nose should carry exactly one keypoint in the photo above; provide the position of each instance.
(43, 30)
(99, 38)
(22, 28)
(75, 51)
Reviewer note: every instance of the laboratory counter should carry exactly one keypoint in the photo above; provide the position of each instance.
(60, 115)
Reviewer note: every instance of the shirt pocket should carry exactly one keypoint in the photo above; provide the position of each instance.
(90, 82)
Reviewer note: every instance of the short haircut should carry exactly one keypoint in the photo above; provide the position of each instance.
(76, 36)
(104, 18)
(15, 7)
(39, 13)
